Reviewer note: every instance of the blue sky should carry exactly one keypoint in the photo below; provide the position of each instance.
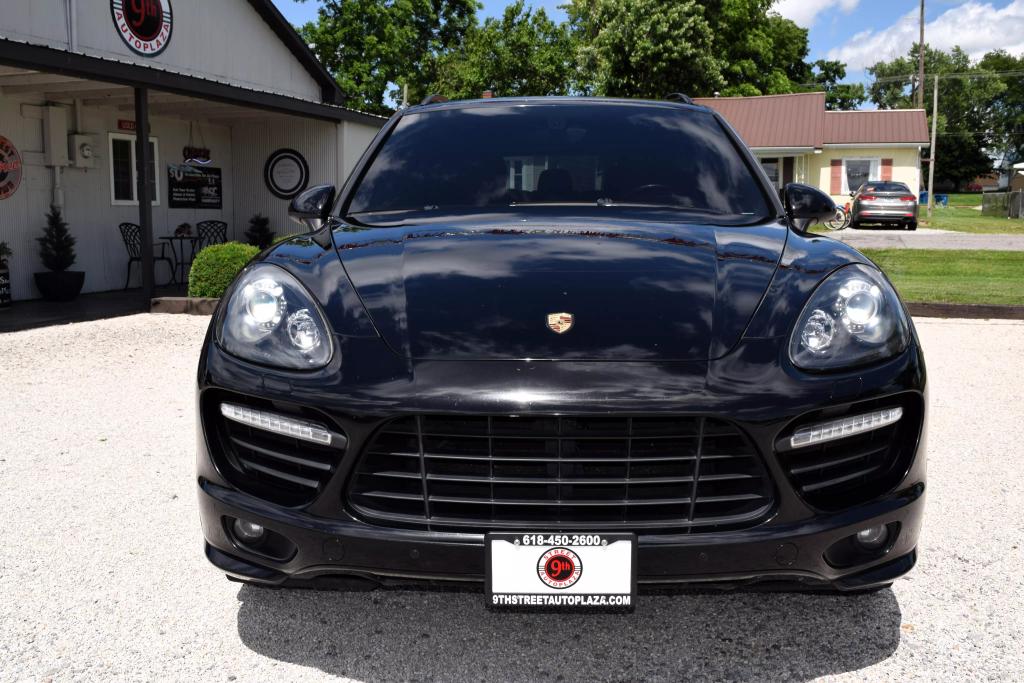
(858, 32)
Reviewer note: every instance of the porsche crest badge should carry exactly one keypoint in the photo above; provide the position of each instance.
(560, 323)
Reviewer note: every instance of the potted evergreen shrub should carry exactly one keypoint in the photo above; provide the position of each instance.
(259, 233)
(57, 251)
(5, 275)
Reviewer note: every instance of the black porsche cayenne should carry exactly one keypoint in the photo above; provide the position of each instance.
(559, 348)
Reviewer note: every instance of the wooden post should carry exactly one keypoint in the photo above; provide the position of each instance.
(142, 163)
(920, 62)
(931, 164)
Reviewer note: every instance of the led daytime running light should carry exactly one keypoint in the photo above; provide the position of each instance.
(844, 427)
(278, 424)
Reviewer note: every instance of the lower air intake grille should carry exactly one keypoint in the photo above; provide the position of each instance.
(275, 467)
(669, 474)
(855, 469)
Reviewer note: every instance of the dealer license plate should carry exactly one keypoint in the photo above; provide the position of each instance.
(561, 571)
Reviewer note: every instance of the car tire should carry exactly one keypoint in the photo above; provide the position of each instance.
(854, 225)
(912, 225)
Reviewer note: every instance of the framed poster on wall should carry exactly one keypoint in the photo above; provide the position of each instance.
(194, 187)
(286, 173)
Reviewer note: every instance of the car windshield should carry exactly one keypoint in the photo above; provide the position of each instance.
(495, 156)
(884, 187)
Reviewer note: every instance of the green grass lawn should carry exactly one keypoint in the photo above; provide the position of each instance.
(965, 199)
(962, 219)
(965, 277)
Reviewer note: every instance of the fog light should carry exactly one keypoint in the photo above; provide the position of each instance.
(873, 538)
(247, 532)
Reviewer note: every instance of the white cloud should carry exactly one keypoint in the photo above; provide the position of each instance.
(974, 26)
(804, 12)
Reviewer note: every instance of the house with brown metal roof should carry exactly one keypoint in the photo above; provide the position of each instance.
(798, 140)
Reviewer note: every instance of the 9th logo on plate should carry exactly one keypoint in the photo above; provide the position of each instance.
(559, 568)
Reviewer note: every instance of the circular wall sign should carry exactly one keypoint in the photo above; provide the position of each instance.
(144, 25)
(286, 173)
(10, 168)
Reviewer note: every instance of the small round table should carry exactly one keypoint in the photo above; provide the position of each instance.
(177, 243)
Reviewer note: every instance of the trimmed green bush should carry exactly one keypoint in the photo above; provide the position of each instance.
(216, 266)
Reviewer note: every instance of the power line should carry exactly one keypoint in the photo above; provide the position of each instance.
(910, 78)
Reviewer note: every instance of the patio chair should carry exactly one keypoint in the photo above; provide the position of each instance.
(132, 236)
(211, 232)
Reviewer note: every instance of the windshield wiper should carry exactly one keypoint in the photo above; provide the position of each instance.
(605, 202)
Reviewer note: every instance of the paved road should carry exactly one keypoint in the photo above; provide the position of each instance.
(927, 238)
(101, 573)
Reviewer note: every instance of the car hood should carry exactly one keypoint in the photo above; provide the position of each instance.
(484, 289)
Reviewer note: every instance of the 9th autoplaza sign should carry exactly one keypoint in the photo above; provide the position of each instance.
(145, 26)
(10, 168)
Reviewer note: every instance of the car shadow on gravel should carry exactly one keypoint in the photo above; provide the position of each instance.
(424, 635)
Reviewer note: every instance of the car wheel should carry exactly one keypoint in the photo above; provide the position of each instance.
(912, 225)
(855, 225)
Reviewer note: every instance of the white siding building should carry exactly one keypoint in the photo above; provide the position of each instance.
(231, 78)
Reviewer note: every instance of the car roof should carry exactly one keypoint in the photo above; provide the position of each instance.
(886, 182)
(554, 100)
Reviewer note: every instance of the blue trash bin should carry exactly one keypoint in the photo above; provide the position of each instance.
(923, 199)
(942, 200)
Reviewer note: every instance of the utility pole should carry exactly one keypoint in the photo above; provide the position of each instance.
(931, 163)
(920, 63)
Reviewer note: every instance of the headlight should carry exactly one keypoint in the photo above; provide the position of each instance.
(271, 319)
(853, 318)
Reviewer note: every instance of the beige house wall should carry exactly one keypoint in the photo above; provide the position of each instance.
(906, 167)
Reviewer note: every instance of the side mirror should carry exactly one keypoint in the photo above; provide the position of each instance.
(806, 205)
(311, 208)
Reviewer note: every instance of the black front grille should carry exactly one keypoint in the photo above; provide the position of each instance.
(671, 474)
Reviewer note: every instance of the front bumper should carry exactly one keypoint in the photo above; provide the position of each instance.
(900, 214)
(789, 547)
(788, 555)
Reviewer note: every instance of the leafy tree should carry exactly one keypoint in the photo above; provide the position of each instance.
(761, 53)
(965, 119)
(649, 48)
(522, 53)
(369, 45)
(1006, 108)
(57, 245)
(838, 96)
(644, 48)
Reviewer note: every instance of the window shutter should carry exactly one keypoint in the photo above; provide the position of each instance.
(886, 169)
(837, 177)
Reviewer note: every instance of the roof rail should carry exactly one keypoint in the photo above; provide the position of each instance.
(679, 97)
(433, 99)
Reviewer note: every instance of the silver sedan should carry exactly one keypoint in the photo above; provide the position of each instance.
(884, 202)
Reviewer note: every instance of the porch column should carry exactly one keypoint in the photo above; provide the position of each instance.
(143, 160)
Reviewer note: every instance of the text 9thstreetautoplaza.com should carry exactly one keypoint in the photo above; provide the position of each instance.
(559, 600)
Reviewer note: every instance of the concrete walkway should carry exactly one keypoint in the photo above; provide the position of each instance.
(927, 238)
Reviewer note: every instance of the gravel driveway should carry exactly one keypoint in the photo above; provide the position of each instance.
(926, 238)
(102, 574)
